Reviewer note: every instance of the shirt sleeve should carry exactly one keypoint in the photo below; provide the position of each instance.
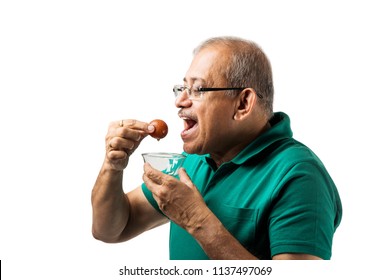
(306, 212)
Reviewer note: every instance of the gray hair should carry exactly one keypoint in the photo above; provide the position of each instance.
(248, 67)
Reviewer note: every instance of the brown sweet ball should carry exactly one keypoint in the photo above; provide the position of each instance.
(161, 129)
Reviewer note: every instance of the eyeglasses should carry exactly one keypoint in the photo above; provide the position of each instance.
(197, 92)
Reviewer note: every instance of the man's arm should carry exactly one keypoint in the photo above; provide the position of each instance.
(118, 216)
(184, 205)
(218, 243)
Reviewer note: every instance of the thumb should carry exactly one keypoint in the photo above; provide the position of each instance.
(184, 177)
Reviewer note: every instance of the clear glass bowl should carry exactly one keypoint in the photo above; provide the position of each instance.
(168, 163)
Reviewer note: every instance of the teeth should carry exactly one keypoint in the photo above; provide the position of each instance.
(190, 122)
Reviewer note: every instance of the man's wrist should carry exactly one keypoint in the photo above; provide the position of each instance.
(206, 229)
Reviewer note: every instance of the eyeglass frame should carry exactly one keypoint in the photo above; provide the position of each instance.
(202, 89)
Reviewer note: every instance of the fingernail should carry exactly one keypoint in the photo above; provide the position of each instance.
(151, 128)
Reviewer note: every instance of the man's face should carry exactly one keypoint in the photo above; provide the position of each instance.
(207, 121)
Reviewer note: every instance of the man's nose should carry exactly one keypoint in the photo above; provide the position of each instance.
(183, 100)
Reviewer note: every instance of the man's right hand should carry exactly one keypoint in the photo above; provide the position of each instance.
(122, 138)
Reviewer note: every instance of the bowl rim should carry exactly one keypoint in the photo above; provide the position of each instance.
(164, 155)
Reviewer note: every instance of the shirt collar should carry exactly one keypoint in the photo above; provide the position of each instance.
(280, 129)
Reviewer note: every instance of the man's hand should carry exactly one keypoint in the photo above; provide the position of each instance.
(122, 138)
(179, 200)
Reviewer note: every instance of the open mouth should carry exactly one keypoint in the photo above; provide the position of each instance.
(190, 125)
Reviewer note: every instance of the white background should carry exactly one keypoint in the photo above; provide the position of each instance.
(68, 68)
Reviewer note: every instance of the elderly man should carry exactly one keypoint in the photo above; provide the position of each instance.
(248, 190)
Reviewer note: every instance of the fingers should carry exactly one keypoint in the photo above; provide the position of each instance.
(122, 138)
(180, 200)
(154, 178)
(131, 129)
(165, 188)
(125, 135)
(135, 124)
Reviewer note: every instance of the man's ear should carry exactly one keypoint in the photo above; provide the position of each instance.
(245, 103)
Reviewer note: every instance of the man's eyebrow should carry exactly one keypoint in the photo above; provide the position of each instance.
(194, 79)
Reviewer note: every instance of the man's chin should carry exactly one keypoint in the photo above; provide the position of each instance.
(190, 149)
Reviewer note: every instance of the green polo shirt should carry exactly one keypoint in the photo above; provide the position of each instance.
(275, 197)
